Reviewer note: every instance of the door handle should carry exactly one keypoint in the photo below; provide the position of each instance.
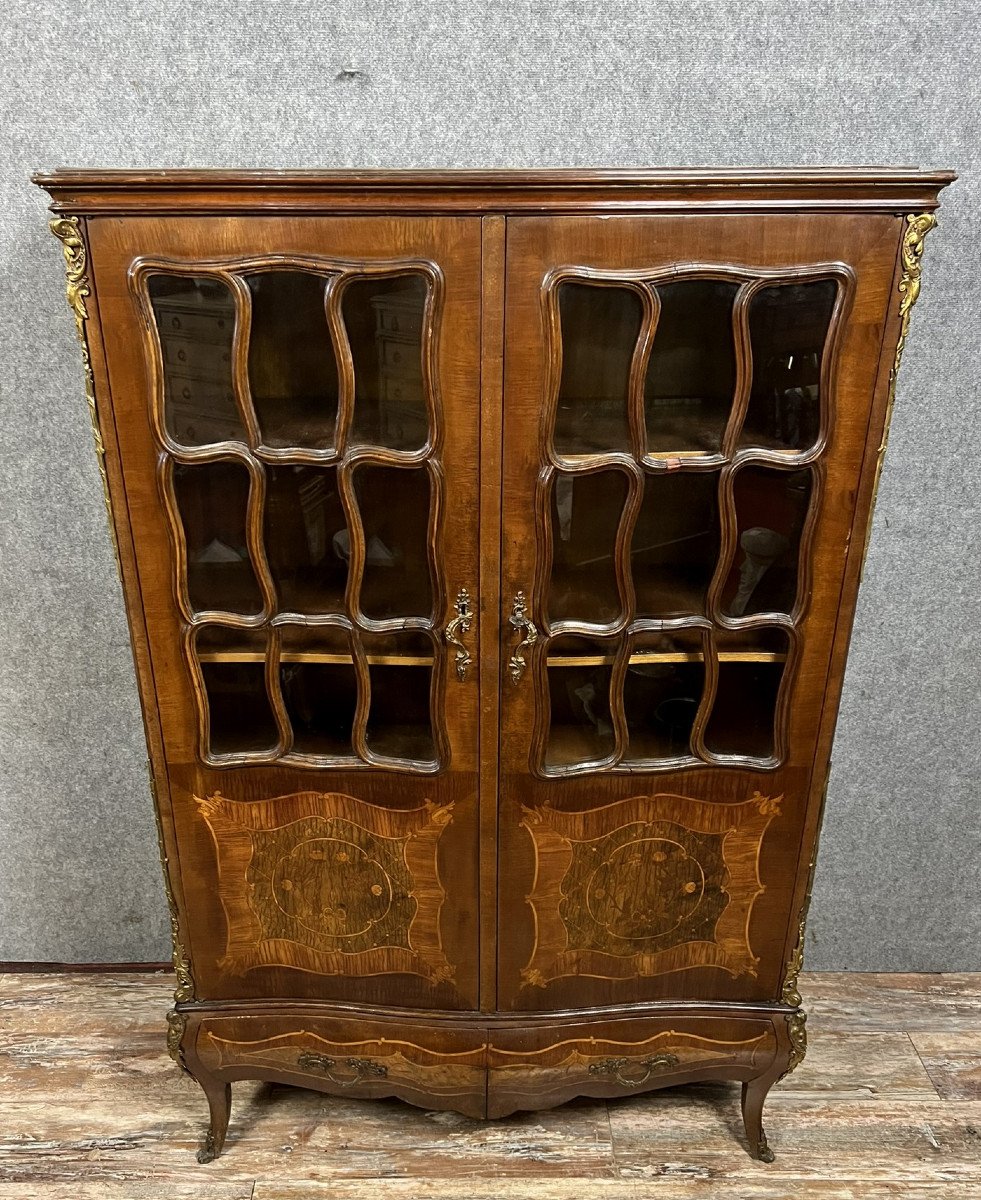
(524, 625)
(455, 630)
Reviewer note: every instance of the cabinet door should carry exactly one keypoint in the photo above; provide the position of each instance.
(296, 407)
(687, 401)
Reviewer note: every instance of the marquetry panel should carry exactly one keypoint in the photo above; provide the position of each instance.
(325, 882)
(295, 406)
(645, 886)
(687, 414)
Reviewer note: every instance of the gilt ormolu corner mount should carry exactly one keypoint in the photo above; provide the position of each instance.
(295, 422)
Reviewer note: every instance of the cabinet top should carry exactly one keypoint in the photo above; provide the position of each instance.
(570, 189)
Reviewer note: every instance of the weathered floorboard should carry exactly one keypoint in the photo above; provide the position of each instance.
(887, 1104)
(892, 1002)
(673, 1186)
(953, 1062)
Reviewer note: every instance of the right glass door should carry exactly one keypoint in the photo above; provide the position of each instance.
(679, 483)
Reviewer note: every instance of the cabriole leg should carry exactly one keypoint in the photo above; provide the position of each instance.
(219, 1096)
(754, 1094)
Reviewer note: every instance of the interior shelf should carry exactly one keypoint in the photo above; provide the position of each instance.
(313, 656)
(653, 656)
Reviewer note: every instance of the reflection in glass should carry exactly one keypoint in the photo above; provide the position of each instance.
(320, 689)
(394, 503)
(292, 370)
(661, 694)
(751, 667)
(212, 500)
(691, 377)
(233, 666)
(600, 326)
(306, 538)
(788, 326)
(586, 512)
(384, 321)
(771, 508)
(195, 319)
(580, 671)
(400, 718)
(676, 543)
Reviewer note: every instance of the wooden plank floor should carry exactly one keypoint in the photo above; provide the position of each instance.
(887, 1104)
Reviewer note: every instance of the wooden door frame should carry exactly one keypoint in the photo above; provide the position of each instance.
(456, 237)
(873, 242)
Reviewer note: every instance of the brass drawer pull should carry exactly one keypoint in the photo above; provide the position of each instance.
(453, 633)
(615, 1067)
(363, 1068)
(520, 620)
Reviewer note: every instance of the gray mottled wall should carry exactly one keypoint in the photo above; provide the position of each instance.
(489, 83)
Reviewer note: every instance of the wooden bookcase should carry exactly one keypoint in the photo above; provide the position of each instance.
(490, 544)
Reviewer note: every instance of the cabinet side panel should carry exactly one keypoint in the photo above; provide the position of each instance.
(865, 494)
(84, 302)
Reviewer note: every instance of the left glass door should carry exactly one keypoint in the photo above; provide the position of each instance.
(295, 403)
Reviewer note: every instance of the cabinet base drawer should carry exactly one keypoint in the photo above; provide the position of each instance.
(423, 1065)
(490, 1067)
(540, 1067)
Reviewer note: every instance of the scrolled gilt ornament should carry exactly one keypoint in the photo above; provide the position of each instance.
(176, 1024)
(797, 1028)
(796, 1021)
(68, 230)
(182, 966)
(918, 225)
(795, 964)
(763, 1151)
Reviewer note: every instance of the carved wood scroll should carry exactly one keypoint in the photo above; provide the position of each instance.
(327, 883)
(645, 886)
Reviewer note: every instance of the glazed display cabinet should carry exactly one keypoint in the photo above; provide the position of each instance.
(490, 545)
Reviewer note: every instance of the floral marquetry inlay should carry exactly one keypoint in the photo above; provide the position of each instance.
(325, 882)
(645, 886)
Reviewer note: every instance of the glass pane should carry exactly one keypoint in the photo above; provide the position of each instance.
(233, 664)
(600, 326)
(195, 319)
(676, 543)
(751, 666)
(384, 321)
(212, 499)
(771, 508)
(661, 693)
(306, 538)
(788, 326)
(580, 671)
(394, 505)
(320, 689)
(586, 512)
(292, 370)
(399, 719)
(691, 377)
